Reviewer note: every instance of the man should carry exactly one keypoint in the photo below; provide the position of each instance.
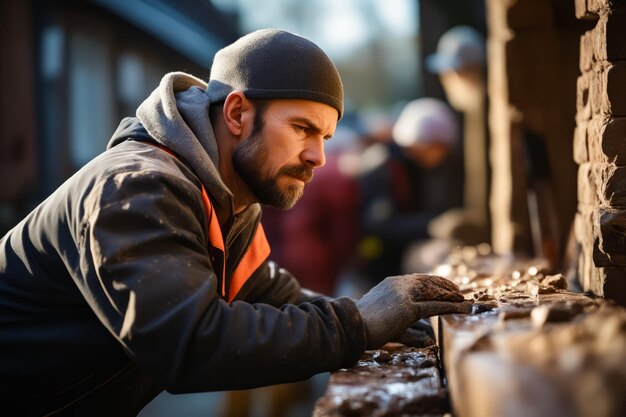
(148, 269)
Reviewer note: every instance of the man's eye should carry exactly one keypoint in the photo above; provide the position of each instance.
(304, 129)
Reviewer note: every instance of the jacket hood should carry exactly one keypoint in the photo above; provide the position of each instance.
(176, 115)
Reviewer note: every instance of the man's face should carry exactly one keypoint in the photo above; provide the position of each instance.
(277, 159)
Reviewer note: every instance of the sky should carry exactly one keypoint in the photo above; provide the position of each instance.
(373, 42)
(339, 27)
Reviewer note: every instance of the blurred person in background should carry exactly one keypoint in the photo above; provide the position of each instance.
(460, 62)
(406, 183)
(148, 270)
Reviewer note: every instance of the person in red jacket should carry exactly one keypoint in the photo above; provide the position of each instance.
(148, 270)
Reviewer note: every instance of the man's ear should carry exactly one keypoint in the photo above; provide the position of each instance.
(237, 112)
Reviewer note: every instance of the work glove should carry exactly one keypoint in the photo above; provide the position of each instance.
(390, 307)
(415, 338)
(419, 334)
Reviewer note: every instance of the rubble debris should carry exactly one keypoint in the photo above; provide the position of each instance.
(483, 296)
(514, 314)
(478, 308)
(557, 312)
(557, 281)
(387, 383)
(381, 356)
(562, 353)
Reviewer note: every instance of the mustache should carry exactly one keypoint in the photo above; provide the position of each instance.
(301, 172)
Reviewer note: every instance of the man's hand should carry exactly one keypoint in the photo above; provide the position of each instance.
(397, 302)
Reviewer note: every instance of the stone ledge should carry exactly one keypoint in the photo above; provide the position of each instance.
(536, 349)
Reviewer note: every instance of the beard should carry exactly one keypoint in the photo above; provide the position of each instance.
(249, 160)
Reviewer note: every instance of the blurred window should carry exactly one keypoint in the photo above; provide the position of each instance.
(131, 83)
(51, 52)
(90, 96)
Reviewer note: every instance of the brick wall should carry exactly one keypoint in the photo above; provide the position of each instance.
(600, 149)
(532, 66)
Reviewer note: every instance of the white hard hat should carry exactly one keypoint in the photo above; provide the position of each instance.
(426, 121)
(460, 47)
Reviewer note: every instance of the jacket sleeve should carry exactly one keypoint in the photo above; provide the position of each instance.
(147, 275)
(274, 285)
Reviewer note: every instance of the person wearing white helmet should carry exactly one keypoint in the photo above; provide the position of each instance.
(417, 178)
(427, 130)
(460, 62)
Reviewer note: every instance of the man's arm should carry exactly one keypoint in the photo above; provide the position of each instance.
(148, 277)
(274, 285)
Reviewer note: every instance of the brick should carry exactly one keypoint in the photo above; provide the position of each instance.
(586, 57)
(603, 6)
(583, 105)
(585, 269)
(606, 88)
(607, 38)
(602, 242)
(611, 185)
(581, 151)
(606, 140)
(615, 45)
(595, 127)
(597, 92)
(612, 234)
(589, 182)
(578, 234)
(614, 283)
(582, 11)
(615, 99)
(613, 140)
(596, 280)
(600, 259)
(609, 282)
(587, 185)
(593, 256)
(583, 227)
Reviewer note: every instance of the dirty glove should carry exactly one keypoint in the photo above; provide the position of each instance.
(390, 307)
(415, 338)
(420, 334)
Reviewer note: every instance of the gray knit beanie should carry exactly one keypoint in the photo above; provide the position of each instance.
(274, 64)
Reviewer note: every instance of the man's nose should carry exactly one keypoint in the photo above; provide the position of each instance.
(313, 154)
